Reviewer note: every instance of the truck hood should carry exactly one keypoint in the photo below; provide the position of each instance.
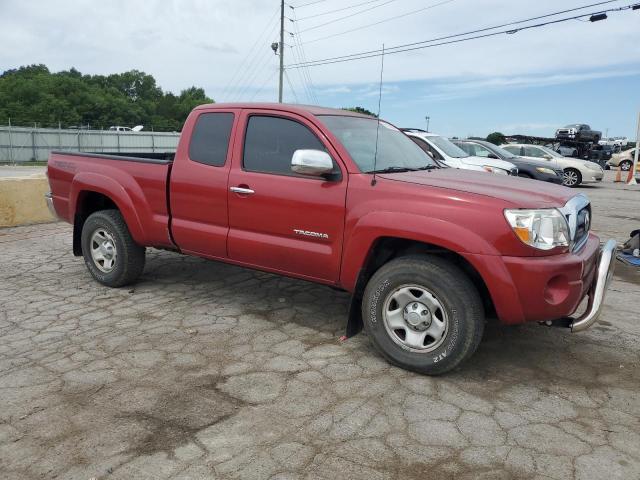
(518, 192)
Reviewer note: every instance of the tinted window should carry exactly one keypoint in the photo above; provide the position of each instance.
(533, 152)
(270, 142)
(210, 138)
(480, 151)
(467, 147)
(426, 147)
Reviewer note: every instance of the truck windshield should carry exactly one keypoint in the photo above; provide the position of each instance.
(395, 149)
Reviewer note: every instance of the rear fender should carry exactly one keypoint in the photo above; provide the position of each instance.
(107, 186)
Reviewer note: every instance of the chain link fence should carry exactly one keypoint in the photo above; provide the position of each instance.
(19, 145)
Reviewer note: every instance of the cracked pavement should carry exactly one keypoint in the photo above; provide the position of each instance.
(204, 370)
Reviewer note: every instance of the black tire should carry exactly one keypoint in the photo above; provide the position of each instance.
(572, 178)
(453, 290)
(625, 165)
(524, 175)
(129, 261)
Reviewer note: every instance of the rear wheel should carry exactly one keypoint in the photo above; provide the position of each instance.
(625, 165)
(423, 314)
(524, 175)
(110, 254)
(572, 178)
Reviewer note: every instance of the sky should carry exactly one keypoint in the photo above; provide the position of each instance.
(530, 82)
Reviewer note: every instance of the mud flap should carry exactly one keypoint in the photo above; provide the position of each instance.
(354, 322)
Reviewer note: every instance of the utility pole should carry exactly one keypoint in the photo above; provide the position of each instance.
(281, 50)
(427, 119)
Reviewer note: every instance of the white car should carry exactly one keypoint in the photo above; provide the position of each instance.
(576, 171)
(445, 151)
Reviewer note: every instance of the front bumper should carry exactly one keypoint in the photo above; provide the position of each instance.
(598, 289)
(547, 288)
(590, 176)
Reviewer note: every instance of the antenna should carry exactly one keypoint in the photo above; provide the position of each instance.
(375, 155)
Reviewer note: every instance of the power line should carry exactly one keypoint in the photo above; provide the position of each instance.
(286, 75)
(517, 22)
(414, 45)
(267, 81)
(379, 22)
(307, 4)
(250, 53)
(301, 53)
(255, 75)
(338, 10)
(348, 16)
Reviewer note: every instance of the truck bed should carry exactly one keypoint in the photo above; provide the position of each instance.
(138, 185)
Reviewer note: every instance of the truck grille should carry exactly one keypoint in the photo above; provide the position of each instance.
(583, 225)
(577, 211)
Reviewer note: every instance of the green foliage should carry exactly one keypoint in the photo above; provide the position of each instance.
(34, 94)
(496, 138)
(362, 110)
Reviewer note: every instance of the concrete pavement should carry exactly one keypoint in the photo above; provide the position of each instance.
(204, 370)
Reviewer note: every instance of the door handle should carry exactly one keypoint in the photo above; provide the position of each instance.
(241, 190)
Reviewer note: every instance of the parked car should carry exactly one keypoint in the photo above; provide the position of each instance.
(576, 171)
(535, 169)
(348, 201)
(600, 154)
(117, 128)
(579, 132)
(443, 150)
(618, 142)
(624, 160)
(566, 151)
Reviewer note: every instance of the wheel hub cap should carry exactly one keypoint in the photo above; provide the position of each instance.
(103, 250)
(415, 318)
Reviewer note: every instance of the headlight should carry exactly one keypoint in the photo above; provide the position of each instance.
(497, 170)
(543, 229)
(548, 171)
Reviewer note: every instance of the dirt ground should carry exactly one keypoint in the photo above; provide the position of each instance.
(204, 370)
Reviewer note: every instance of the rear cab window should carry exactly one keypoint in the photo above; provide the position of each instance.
(210, 138)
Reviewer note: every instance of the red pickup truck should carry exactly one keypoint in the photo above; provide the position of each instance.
(428, 253)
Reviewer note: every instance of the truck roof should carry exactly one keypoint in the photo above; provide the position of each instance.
(286, 107)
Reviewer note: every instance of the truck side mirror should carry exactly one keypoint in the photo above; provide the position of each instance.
(312, 162)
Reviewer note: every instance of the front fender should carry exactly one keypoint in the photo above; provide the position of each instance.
(367, 230)
(95, 182)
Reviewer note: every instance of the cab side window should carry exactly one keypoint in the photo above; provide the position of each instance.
(210, 138)
(270, 142)
(481, 151)
(533, 152)
(426, 147)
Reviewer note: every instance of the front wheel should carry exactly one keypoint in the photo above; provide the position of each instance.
(572, 178)
(110, 253)
(423, 314)
(625, 165)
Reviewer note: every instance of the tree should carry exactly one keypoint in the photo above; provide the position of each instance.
(32, 94)
(362, 110)
(496, 138)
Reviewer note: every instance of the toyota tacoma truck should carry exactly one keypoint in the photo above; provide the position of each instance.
(329, 196)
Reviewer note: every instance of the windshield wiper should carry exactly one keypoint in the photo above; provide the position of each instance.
(394, 170)
(428, 167)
